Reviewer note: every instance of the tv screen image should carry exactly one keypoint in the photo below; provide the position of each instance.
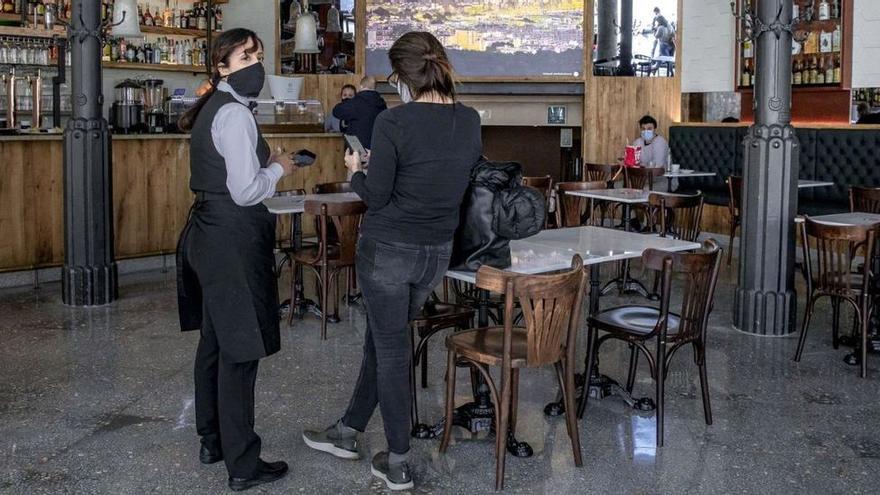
(504, 39)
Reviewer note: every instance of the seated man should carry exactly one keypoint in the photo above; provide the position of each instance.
(655, 149)
(332, 124)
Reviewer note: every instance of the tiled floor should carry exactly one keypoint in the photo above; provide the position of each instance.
(100, 401)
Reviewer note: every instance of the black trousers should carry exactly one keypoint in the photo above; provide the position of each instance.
(395, 279)
(225, 405)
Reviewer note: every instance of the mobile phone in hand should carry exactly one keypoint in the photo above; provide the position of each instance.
(355, 144)
(304, 157)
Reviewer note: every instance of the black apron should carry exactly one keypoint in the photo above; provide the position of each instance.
(225, 259)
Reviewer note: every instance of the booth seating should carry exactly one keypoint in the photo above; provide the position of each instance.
(846, 157)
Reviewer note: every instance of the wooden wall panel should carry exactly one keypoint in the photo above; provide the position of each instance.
(151, 195)
(613, 105)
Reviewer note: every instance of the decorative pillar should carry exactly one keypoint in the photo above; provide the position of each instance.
(626, 38)
(606, 42)
(89, 275)
(766, 300)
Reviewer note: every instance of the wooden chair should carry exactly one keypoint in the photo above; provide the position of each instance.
(574, 211)
(677, 215)
(327, 259)
(734, 208)
(608, 174)
(642, 177)
(639, 325)
(337, 188)
(864, 199)
(545, 185)
(433, 317)
(551, 306)
(834, 276)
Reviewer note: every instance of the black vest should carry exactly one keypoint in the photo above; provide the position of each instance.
(207, 166)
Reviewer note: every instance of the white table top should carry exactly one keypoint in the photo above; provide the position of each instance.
(296, 204)
(553, 249)
(665, 58)
(692, 173)
(630, 196)
(843, 219)
(803, 184)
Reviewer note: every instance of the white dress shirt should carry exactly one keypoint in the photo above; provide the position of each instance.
(234, 132)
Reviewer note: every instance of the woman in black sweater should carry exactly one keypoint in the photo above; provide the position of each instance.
(420, 164)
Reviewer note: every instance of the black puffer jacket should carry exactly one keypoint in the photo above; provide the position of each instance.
(496, 209)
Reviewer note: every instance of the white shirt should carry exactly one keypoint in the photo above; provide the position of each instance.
(234, 132)
(656, 153)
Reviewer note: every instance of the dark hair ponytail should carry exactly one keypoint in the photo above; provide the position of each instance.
(419, 61)
(221, 50)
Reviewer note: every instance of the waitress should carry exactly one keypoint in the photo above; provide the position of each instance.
(226, 281)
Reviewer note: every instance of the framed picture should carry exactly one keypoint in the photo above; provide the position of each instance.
(556, 114)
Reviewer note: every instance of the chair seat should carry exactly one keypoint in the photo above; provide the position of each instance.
(486, 345)
(309, 255)
(434, 314)
(633, 320)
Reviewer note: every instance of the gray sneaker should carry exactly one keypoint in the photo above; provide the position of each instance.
(334, 441)
(395, 476)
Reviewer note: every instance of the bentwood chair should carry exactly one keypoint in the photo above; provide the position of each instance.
(640, 326)
(864, 199)
(734, 209)
(642, 177)
(574, 211)
(551, 307)
(336, 188)
(608, 174)
(837, 276)
(677, 216)
(328, 258)
(545, 185)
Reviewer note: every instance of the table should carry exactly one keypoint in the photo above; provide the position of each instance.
(682, 175)
(669, 61)
(806, 184)
(552, 250)
(856, 218)
(294, 206)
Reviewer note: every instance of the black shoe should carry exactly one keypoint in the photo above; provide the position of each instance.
(210, 456)
(267, 472)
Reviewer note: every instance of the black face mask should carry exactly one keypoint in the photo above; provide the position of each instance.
(248, 82)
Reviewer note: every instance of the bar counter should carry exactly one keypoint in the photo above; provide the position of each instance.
(151, 195)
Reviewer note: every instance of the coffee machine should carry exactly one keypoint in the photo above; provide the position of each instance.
(154, 106)
(127, 112)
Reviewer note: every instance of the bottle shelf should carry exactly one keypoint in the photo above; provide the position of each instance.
(32, 32)
(168, 31)
(195, 69)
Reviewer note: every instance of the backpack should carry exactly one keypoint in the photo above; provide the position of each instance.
(496, 209)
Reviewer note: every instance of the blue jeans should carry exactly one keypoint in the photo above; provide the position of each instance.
(395, 279)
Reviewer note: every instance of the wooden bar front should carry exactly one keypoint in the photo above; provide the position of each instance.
(151, 196)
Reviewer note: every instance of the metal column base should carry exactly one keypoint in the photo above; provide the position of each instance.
(89, 285)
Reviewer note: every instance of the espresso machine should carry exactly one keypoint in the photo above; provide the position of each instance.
(154, 106)
(127, 112)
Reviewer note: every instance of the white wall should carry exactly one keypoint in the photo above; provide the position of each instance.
(866, 44)
(707, 46)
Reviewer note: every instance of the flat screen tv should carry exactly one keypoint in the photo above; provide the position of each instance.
(503, 39)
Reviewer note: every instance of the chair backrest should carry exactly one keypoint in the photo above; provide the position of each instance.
(836, 247)
(574, 211)
(345, 217)
(332, 187)
(734, 199)
(543, 184)
(700, 272)
(642, 177)
(864, 199)
(679, 215)
(599, 172)
(551, 306)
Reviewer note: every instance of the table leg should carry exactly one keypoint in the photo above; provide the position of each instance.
(623, 282)
(298, 303)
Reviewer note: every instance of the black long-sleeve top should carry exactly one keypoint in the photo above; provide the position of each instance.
(419, 170)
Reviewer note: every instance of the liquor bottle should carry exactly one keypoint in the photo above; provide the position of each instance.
(820, 72)
(140, 15)
(218, 18)
(798, 73)
(105, 51)
(196, 53)
(795, 9)
(203, 60)
(829, 71)
(835, 39)
(746, 77)
(187, 54)
(168, 15)
(148, 52)
(148, 17)
(203, 18)
(748, 52)
(41, 13)
(824, 10)
(836, 77)
(835, 9)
